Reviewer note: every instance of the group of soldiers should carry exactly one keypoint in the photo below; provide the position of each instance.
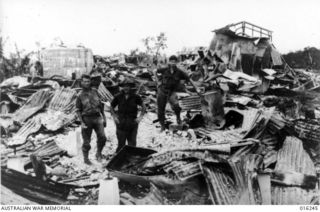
(124, 108)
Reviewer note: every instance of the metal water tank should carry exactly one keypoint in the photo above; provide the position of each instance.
(66, 61)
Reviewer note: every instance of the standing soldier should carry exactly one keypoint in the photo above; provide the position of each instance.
(39, 68)
(90, 111)
(126, 117)
(168, 83)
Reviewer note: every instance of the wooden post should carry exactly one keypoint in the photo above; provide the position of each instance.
(79, 141)
(265, 188)
(212, 109)
(109, 192)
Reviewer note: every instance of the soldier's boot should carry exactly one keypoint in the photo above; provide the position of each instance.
(179, 122)
(99, 155)
(86, 158)
(163, 127)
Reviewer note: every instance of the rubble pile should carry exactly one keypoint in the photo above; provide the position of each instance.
(251, 136)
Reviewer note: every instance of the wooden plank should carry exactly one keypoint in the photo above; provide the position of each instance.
(265, 188)
(16, 164)
(291, 178)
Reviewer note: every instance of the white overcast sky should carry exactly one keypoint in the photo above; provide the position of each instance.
(113, 26)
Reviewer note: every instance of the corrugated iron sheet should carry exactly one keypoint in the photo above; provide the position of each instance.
(308, 129)
(104, 93)
(276, 57)
(245, 169)
(220, 136)
(61, 110)
(30, 127)
(35, 103)
(65, 61)
(292, 157)
(222, 188)
(48, 150)
(183, 169)
(64, 100)
(236, 184)
(31, 188)
(190, 103)
(260, 123)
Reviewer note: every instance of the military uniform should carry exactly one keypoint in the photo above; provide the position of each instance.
(127, 127)
(167, 87)
(90, 107)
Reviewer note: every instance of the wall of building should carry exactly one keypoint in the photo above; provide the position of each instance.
(66, 61)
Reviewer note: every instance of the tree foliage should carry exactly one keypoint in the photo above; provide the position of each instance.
(17, 63)
(1, 47)
(154, 45)
(309, 57)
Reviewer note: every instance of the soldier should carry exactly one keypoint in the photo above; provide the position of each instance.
(90, 111)
(168, 84)
(126, 117)
(39, 68)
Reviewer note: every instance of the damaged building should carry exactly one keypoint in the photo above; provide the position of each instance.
(249, 138)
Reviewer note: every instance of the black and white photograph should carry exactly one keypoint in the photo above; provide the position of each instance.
(159, 102)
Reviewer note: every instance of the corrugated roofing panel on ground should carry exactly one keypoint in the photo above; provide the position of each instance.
(292, 157)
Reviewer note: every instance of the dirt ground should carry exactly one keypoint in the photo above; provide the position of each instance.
(149, 136)
(10, 198)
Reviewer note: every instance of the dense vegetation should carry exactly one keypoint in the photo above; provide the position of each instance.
(307, 58)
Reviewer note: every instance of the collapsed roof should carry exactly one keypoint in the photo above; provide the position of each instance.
(245, 47)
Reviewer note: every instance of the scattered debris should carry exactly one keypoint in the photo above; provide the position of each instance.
(34, 103)
(251, 136)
